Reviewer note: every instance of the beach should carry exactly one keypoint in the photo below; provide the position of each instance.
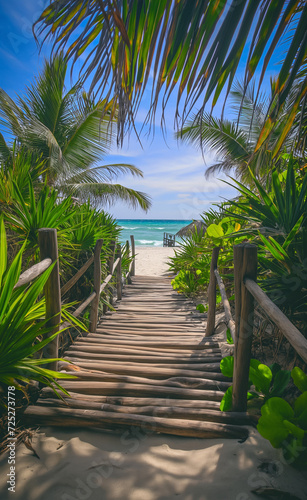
(152, 261)
(80, 464)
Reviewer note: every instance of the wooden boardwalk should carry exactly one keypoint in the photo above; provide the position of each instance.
(148, 365)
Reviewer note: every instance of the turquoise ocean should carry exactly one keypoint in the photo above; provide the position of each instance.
(149, 231)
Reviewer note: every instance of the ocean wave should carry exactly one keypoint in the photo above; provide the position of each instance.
(155, 243)
(126, 227)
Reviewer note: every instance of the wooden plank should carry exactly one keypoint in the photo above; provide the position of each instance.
(292, 334)
(78, 275)
(97, 283)
(141, 328)
(74, 418)
(105, 282)
(149, 358)
(167, 344)
(119, 273)
(33, 272)
(133, 255)
(208, 415)
(153, 336)
(159, 328)
(140, 351)
(157, 334)
(153, 319)
(243, 346)
(48, 245)
(84, 305)
(160, 315)
(229, 321)
(177, 355)
(196, 383)
(212, 293)
(137, 340)
(113, 389)
(134, 401)
(145, 371)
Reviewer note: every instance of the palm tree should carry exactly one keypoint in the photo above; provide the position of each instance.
(235, 142)
(70, 133)
(191, 46)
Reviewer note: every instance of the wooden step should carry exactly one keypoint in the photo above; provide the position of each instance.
(145, 371)
(208, 415)
(118, 389)
(180, 382)
(70, 417)
(148, 358)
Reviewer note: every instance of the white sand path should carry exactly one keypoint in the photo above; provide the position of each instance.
(152, 261)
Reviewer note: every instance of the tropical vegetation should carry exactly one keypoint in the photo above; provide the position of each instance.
(191, 48)
(235, 142)
(68, 134)
(51, 174)
(51, 147)
(23, 326)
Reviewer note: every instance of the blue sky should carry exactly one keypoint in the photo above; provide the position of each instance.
(173, 172)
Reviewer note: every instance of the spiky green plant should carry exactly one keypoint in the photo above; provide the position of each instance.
(277, 222)
(22, 326)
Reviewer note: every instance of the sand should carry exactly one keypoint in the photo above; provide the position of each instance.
(92, 465)
(152, 261)
(79, 464)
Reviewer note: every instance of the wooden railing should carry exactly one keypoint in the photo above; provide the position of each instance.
(169, 240)
(53, 293)
(131, 270)
(241, 329)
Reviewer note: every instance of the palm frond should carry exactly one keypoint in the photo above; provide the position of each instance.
(109, 193)
(191, 46)
(69, 131)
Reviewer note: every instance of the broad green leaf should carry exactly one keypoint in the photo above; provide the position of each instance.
(261, 377)
(229, 337)
(271, 423)
(227, 365)
(226, 403)
(215, 231)
(300, 410)
(299, 378)
(294, 429)
(280, 382)
(200, 308)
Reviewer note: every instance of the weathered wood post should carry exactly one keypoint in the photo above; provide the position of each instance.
(119, 273)
(128, 255)
(48, 245)
(111, 264)
(107, 291)
(245, 262)
(97, 284)
(133, 254)
(212, 293)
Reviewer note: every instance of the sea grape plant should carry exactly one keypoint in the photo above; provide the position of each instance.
(285, 426)
(264, 381)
